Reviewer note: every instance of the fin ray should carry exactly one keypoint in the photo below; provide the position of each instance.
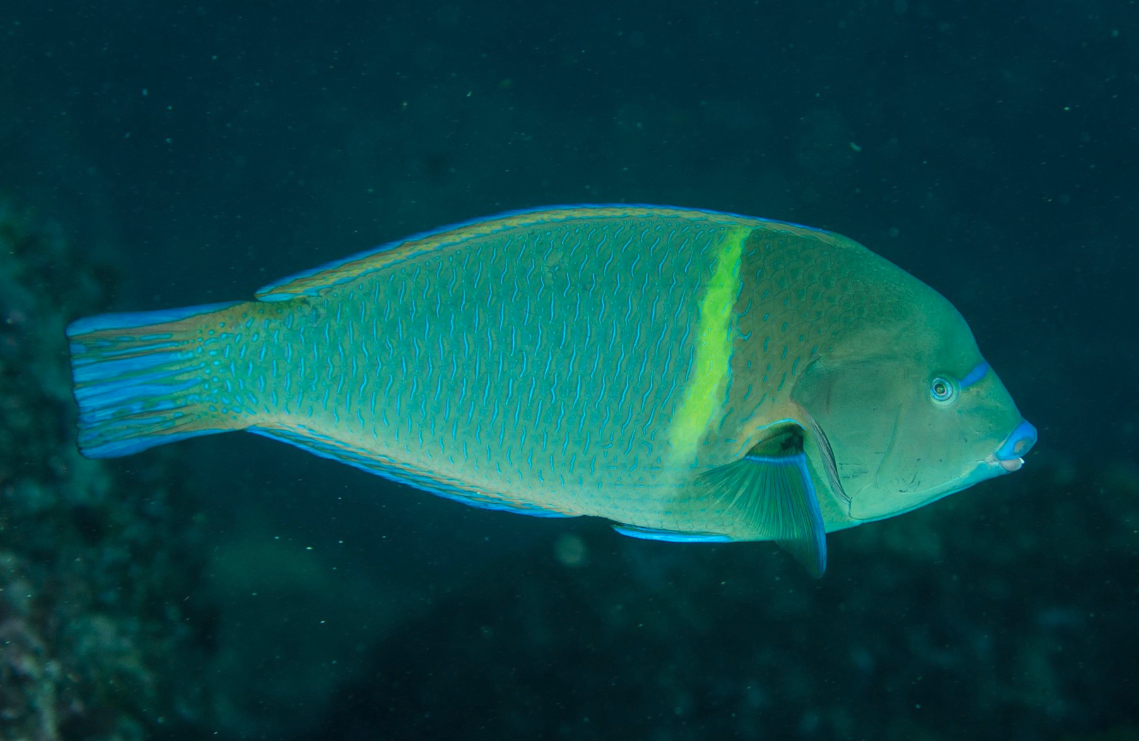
(136, 381)
(327, 447)
(770, 492)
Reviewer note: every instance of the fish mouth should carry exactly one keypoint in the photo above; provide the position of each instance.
(1010, 465)
(1009, 455)
(1005, 459)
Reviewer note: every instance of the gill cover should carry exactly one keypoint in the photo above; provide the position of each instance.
(855, 404)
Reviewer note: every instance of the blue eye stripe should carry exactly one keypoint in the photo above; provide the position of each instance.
(974, 375)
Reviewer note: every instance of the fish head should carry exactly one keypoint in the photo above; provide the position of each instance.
(912, 412)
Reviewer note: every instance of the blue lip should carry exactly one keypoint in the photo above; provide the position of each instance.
(1018, 443)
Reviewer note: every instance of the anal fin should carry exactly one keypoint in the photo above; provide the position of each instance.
(338, 450)
(649, 533)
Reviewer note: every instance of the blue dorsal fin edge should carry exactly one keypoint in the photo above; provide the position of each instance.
(271, 292)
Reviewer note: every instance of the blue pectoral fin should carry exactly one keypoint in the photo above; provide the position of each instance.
(770, 491)
(327, 447)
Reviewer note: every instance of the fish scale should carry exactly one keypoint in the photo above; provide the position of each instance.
(579, 290)
(486, 448)
(650, 365)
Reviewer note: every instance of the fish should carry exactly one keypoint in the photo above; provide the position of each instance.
(689, 375)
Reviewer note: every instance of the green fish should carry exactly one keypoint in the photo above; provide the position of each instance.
(689, 375)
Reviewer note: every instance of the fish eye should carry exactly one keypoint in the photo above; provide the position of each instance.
(942, 390)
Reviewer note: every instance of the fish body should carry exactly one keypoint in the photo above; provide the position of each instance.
(672, 370)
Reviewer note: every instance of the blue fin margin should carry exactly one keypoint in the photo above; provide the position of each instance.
(135, 319)
(327, 448)
(769, 494)
(793, 504)
(671, 536)
(266, 292)
(134, 387)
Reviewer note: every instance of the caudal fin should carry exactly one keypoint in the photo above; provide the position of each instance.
(140, 380)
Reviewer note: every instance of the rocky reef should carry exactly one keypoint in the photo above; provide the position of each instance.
(99, 629)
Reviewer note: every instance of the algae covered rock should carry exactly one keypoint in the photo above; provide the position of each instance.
(97, 637)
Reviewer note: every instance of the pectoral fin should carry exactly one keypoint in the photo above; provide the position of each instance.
(769, 490)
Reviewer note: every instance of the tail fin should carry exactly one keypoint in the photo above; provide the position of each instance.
(140, 380)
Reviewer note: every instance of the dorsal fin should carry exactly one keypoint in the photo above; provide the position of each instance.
(312, 282)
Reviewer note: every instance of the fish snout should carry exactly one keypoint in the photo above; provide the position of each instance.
(1009, 455)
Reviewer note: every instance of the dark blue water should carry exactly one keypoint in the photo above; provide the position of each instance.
(179, 154)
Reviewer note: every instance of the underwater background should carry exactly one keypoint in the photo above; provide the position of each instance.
(155, 155)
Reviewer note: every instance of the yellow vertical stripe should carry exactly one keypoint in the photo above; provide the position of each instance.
(713, 350)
